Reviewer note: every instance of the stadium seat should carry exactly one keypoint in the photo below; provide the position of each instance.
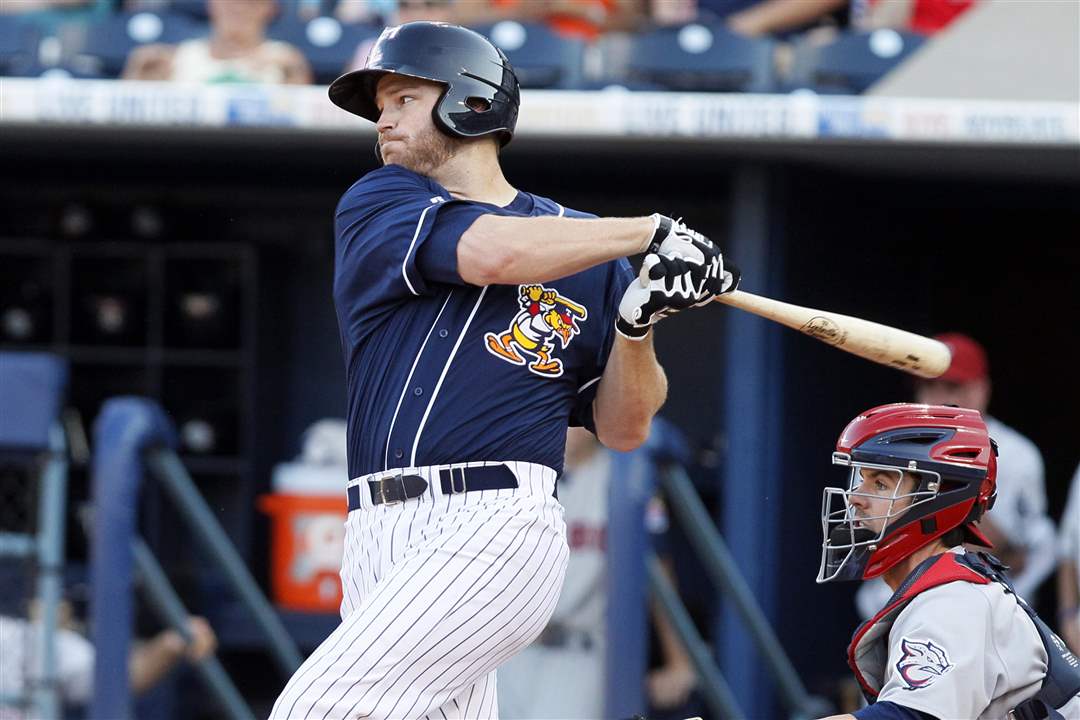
(541, 57)
(62, 70)
(327, 44)
(195, 8)
(18, 45)
(852, 62)
(699, 57)
(109, 42)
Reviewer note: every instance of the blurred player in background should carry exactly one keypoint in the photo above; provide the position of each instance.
(1069, 568)
(1020, 529)
(569, 654)
(149, 662)
(236, 51)
(954, 640)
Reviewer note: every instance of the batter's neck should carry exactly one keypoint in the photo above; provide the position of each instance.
(476, 176)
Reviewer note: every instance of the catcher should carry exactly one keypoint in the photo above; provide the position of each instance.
(954, 640)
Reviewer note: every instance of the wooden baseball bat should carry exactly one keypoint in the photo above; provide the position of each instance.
(890, 346)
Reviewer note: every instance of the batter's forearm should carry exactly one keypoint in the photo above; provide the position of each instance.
(498, 250)
(631, 391)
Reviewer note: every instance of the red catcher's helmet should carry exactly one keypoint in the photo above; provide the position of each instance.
(955, 462)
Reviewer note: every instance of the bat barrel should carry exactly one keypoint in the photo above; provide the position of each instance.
(900, 349)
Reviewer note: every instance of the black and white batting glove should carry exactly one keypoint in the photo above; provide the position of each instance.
(672, 238)
(664, 286)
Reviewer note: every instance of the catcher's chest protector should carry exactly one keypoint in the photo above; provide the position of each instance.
(869, 648)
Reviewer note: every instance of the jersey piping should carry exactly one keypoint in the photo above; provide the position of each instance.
(408, 380)
(442, 376)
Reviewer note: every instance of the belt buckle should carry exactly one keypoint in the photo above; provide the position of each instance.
(453, 488)
(389, 500)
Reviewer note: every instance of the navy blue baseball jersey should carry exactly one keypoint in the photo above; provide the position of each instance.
(440, 371)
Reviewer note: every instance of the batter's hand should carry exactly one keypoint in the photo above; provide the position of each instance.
(674, 239)
(664, 286)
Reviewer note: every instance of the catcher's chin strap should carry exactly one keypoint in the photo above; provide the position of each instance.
(1062, 681)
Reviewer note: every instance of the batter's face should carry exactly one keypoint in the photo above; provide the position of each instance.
(879, 493)
(407, 134)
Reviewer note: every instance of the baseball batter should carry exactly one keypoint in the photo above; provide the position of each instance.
(954, 640)
(477, 322)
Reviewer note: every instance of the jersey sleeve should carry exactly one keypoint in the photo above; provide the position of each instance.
(619, 278)
(941, 654)
(396, 232)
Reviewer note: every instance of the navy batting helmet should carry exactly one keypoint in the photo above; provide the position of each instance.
(464, 61)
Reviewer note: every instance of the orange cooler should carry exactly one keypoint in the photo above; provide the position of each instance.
(307, 540)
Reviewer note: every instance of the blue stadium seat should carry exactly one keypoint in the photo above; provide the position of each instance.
(700, 57)
(195, 8)
(852, 62)
(110, 41)
(61, 70)
(18, 45)
(327, 44)
(541, 57)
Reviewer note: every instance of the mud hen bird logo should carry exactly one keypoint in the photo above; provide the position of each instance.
(922, 663)
(544, 316)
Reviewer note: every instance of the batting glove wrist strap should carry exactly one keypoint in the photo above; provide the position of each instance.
(661, 229)
(630, 331)
(664, 286)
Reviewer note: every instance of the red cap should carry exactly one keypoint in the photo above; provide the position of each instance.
(968, 359)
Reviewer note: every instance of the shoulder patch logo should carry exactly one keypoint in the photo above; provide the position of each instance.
(544, 316)
(922, 663)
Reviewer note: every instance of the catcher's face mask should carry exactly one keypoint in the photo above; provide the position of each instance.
(855, 521)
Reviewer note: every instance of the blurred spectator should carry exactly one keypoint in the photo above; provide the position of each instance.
(236, 51)
(399, 13)
(51, 15)
(771, 17)
(921, 16)
(561, 675)
(148, 663)
(1019, 527)
(673, 12)
(18, 7)
(1069, 568)
(391, 12)
(585, 19)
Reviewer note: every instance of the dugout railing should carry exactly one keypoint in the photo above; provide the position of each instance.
(133, 438)
(32, 389)
(636, 578)
(724, 575)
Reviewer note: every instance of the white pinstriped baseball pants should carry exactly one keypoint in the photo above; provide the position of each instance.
(438, 591)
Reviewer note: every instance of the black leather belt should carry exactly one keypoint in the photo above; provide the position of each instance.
(394, 488)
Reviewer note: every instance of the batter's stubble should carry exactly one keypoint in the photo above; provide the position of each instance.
(428, 152)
